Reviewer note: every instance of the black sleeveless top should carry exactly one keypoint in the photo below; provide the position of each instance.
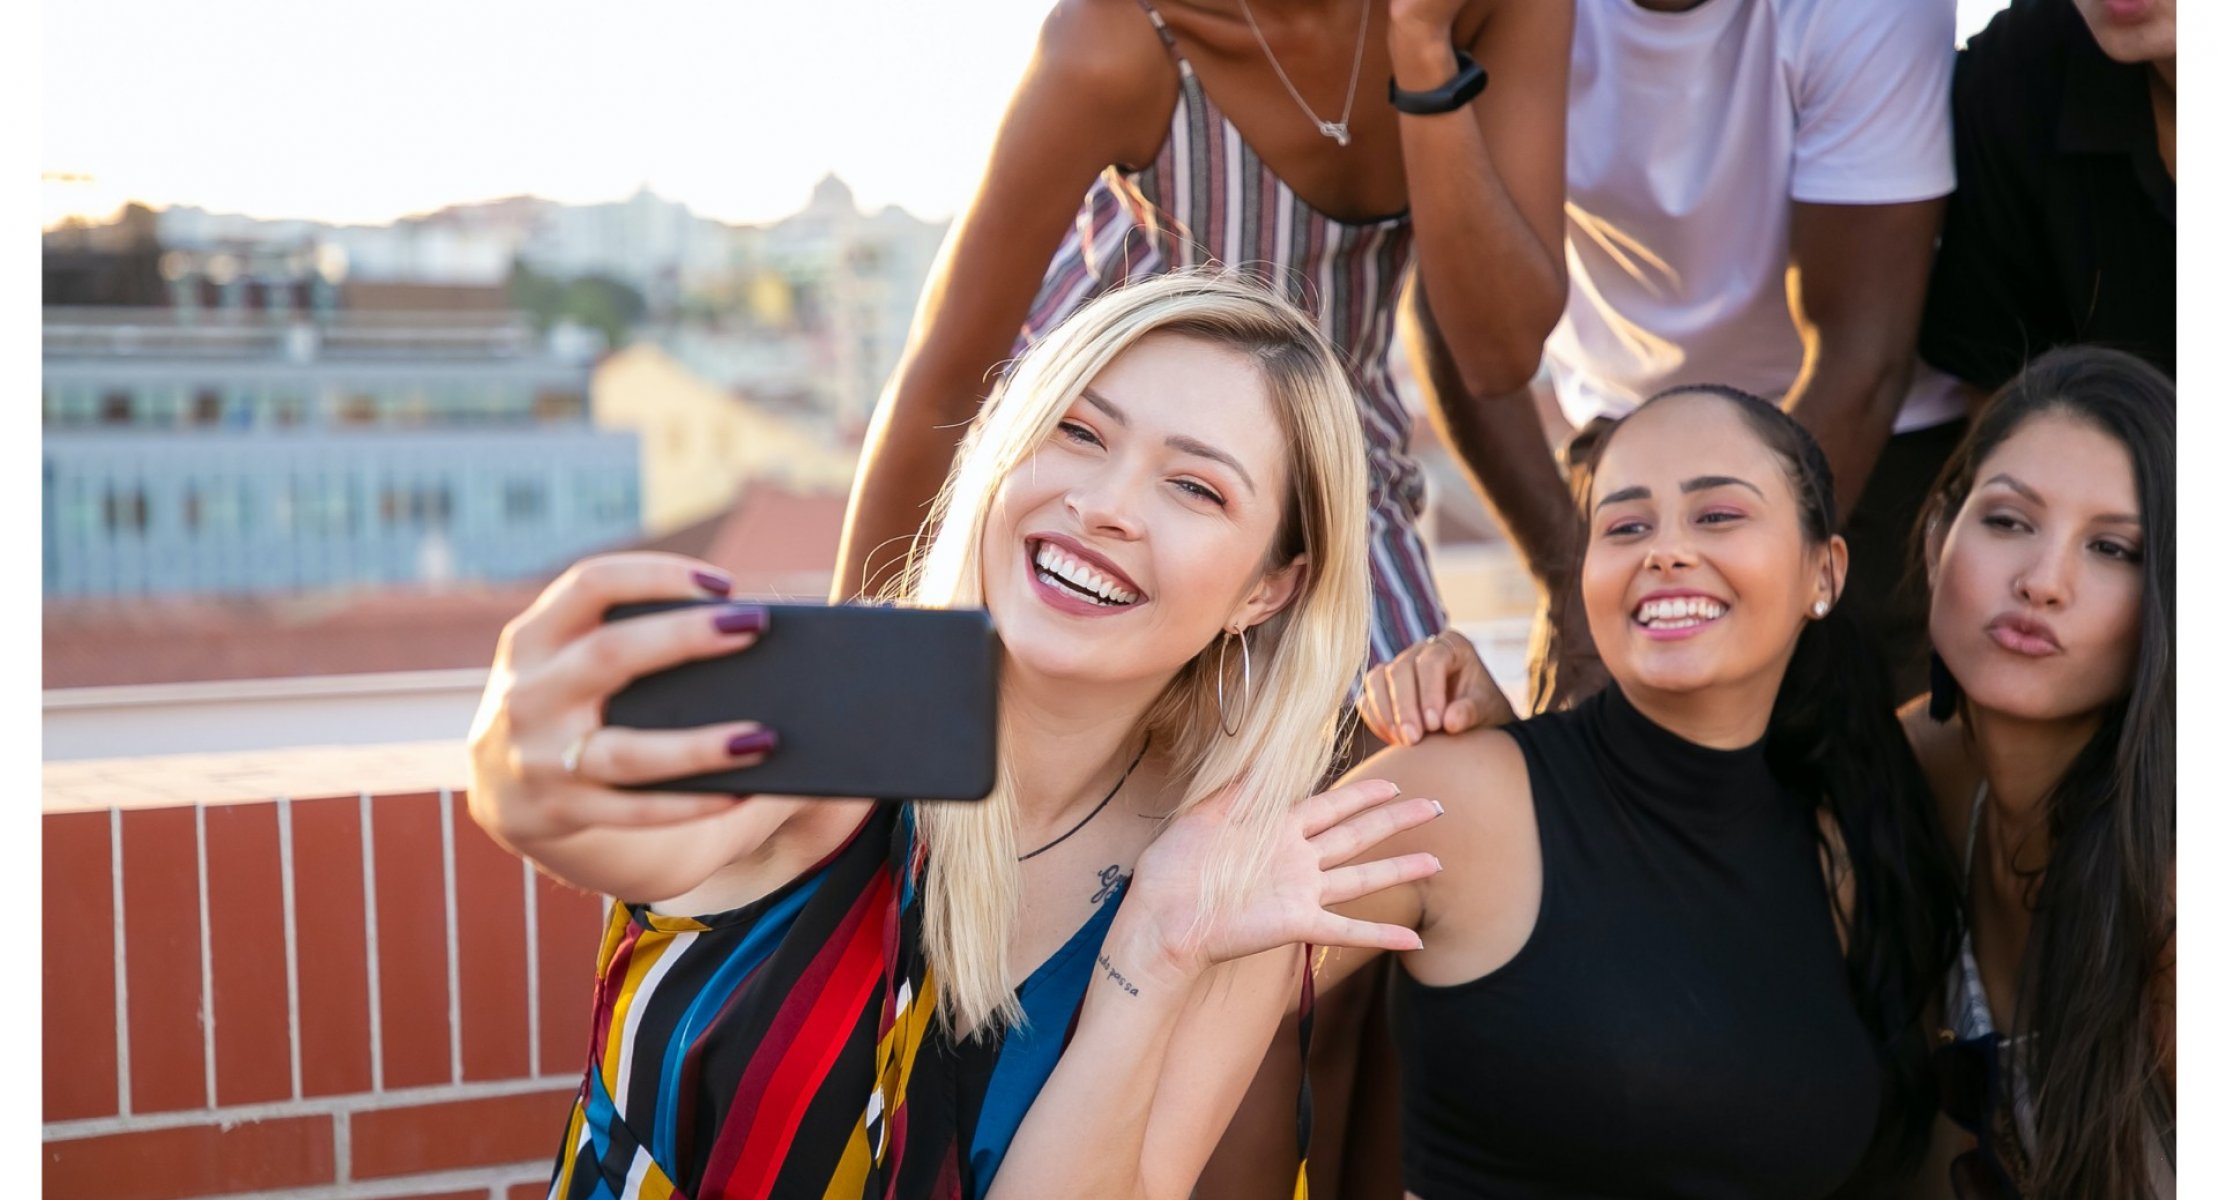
(1679, 1022)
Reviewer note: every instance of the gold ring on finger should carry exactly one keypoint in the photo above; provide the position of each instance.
(574, 753)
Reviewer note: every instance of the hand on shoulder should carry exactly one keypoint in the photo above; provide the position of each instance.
(1436, 685)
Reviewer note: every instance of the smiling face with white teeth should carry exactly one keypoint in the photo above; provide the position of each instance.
(1147, 523)
(1699, 571)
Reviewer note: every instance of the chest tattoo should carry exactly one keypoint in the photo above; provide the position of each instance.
(1112, 878)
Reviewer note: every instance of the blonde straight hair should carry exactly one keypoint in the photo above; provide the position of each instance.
(1306, 657)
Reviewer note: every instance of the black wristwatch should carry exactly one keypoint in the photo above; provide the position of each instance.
(1468, 81)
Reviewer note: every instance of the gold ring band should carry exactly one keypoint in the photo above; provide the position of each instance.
(574, 753)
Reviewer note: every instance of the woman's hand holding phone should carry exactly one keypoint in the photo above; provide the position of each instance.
(542, 767)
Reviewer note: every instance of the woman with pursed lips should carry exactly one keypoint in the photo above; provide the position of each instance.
(2048, 740)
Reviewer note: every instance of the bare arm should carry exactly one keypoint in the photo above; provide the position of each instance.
(1486, 191)
(1486, 196)
(1856, 281)
(1486, 182)
(1143, 1096)
(1178, 1015)
(1475, 912)
(1491, 864)
(1098, 91)
(1498, 441)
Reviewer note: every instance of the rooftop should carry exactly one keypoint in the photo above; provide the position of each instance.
(111, 333)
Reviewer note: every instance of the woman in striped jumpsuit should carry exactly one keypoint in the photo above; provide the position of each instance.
(1191, 133)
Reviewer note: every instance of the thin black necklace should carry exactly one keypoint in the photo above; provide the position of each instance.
(1097, 808)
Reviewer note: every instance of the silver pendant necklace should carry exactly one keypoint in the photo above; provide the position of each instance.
(1336, 130)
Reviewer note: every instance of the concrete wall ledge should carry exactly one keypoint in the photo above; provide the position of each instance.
(235, 777)
(233, 715)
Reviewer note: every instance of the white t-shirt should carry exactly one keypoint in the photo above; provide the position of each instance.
(1689, 136)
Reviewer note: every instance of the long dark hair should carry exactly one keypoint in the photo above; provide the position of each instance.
(1834, 740)
(2102, 911)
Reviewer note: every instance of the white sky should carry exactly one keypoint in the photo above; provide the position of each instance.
(356, 112)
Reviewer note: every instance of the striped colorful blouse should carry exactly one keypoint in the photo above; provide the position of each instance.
(1208, 198)
(788, 1048)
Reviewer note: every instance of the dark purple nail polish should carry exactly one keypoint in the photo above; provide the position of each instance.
(760, 741)
(742, 618)
(713, 581)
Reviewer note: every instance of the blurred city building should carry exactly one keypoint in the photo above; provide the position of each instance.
(855, 281)
(275, 433)
(809, 313)
(700, 444)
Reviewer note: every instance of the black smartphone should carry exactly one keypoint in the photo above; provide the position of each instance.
(884, 703)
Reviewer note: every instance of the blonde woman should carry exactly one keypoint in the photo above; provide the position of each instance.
(1163, 510)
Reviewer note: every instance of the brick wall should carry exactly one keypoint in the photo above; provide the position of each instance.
(343, 998)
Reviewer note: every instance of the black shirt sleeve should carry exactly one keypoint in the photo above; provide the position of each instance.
(1987, 305)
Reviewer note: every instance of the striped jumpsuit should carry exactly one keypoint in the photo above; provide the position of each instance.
(1209, 199)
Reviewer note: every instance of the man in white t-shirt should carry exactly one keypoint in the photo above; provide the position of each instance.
(1753, 193)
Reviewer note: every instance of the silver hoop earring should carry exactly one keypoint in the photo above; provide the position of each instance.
(1247, 685)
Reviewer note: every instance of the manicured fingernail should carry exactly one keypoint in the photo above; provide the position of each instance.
(754, 741)
(742, 618)
(713, 581)
(1432, 718)
(1437, 865)
(1437, 810)
(1410, 732)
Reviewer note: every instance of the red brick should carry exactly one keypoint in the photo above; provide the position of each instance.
(195, 1160)
(411, 939)
(334, 949)
(456, 1134)
(569, 945)
(246, 951)
(161, 959)
(78, 975)
(494, 977)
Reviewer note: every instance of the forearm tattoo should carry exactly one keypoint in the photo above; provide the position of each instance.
(1112, 878)
(1116, 976)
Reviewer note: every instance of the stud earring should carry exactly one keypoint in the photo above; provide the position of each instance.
(1822, 609)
